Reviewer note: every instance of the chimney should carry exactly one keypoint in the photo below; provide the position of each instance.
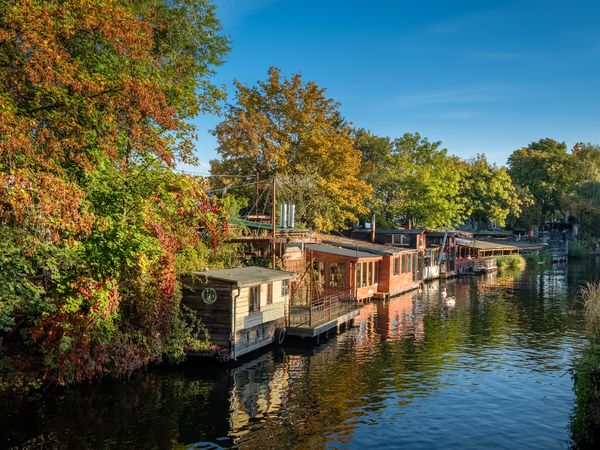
(292, 216)
(283, 216)
(373, 228)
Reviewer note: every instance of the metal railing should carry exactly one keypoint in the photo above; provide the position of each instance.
(322, 310)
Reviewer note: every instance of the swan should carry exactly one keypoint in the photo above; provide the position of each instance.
(444, 293)
(450, 301)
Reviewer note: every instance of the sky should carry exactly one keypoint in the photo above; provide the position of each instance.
(480, 76)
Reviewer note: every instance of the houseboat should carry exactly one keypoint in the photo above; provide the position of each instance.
(243, 309)
(397, 269)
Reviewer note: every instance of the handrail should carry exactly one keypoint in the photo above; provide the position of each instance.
(322, 309)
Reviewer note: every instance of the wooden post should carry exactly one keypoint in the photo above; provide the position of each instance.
(273, 224)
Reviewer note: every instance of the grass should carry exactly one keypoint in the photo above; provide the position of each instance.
(510, 262)
(585, 423)
(577, 250)
(590, 294)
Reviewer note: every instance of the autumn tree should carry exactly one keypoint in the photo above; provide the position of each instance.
(289, 129)
(546, 170)
(95, 102)
(489, 193)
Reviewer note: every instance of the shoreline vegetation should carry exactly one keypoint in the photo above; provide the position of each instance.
(97, 221)
(585, 425)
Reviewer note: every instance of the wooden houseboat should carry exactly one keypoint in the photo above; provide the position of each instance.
(243, 309)
(483, 254)
(397, 270)
(340, 268)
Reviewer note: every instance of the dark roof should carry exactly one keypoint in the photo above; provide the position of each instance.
(354, 244)
(400, 231)
(390, 231)
(340, 251)
(246, 276)
(440, 233)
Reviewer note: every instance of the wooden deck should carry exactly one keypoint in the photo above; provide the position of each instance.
(316, 330)
(322, 315)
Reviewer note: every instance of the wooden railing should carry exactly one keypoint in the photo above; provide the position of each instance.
(322, 310)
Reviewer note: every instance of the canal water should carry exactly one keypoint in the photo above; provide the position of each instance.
(490, 372)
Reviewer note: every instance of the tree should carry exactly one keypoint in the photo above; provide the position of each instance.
(587, 160)
(546, 170)
(584, 203)
(489, 193)
(95, 102)
(375, 157)
(290, 129)
(425, 183)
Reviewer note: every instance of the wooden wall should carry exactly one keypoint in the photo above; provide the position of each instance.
(215, 317)
(395, 284)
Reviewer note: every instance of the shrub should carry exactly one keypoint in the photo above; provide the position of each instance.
(510, 262)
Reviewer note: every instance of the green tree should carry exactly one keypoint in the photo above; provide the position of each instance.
(547, 171)
(425, 183)
(489, 193)
(587, 160)
(289, 129)
(376, 152)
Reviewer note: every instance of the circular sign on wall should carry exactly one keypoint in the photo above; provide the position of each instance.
(209, 296)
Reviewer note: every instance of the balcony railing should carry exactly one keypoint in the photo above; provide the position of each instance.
(322, 310)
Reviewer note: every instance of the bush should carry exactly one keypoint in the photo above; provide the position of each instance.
(510, 262)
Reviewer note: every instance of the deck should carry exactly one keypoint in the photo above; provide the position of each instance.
(322, 315)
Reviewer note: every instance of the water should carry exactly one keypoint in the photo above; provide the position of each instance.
(491, 372)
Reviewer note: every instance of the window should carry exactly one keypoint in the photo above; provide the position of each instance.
(408, 261)
(270, 294)
(358, 274)
(365, 274)
(371, 270)
(396, 266)
(403, 263)
(337, 275)
(255, 298)
(285, 288)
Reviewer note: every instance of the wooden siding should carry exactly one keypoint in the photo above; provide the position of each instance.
(215, 317)
(395, 284)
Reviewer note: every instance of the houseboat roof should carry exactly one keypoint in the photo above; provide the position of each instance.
(246, 276)
(484, 245)
(441, 233)
(340, 251)
(391, 231)
(261, 225)
(355, 244)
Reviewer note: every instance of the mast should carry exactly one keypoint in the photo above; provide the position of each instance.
(273, 223)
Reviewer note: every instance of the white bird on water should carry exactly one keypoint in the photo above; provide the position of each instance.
(450, 301)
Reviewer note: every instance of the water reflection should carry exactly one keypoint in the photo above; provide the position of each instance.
(486, 372)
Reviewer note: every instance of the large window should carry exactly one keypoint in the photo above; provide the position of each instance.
(270, 294)
(337, 274)
(255, 298)
(365, 274)
(358, 274)
(396, 270)
(403, 263)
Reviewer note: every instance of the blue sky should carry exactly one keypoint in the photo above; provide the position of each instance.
(480, 76)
